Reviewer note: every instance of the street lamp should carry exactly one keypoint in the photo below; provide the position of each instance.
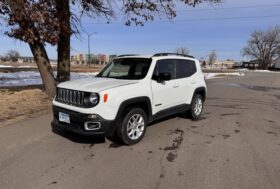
(89, 35)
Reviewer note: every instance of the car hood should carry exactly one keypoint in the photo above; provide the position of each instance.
(96, 84)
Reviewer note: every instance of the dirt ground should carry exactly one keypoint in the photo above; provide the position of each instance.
(235, 145)
(19, 104)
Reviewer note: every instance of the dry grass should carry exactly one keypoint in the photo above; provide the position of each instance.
(17, 105)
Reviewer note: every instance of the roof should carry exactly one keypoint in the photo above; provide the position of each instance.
(134, 56)
(158, 55)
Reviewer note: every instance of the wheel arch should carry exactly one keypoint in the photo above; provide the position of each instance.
(201, 91)
(142, 102)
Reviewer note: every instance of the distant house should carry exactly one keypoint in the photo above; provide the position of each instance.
(237, 65)
(103, 59)
(26, 59)
(251, 65)
(224, 64)
(78, 58)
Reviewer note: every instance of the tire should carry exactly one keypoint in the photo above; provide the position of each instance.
(196, 107)
(130, 132)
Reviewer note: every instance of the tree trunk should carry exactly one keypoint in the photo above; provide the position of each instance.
(63, 46)
(45, 69)
(264, 64)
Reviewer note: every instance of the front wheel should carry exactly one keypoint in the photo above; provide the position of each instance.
(133, 126)
(196, 107)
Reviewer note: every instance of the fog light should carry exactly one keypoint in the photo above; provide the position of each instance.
(92, 116)
(91, 126)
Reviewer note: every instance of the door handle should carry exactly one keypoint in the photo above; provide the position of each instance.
(175, 86)
(193, 82)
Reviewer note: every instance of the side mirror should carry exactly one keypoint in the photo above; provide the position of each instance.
(163, 77)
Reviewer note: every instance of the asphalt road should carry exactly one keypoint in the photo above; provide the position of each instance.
(235, 145)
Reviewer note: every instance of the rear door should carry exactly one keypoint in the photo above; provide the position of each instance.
(186, 80)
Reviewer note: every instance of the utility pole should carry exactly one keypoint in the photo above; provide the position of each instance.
(89, 35)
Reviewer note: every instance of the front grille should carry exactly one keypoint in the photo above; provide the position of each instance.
(72, 97)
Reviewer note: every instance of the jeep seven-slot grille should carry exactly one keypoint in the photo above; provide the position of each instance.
(72, 97)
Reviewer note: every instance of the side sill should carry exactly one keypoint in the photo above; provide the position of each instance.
(170, 111)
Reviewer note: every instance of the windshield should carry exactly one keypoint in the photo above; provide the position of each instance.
(127, 68)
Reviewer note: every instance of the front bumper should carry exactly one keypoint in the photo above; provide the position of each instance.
(77, 121)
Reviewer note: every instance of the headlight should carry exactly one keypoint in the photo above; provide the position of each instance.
(91, 99)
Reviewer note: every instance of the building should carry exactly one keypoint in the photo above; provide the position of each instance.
(102, 58)
(26, 59)
(237, 65)
(78, 58)
(92, 58)
(251, 65)
(89, 58)
(224, 64)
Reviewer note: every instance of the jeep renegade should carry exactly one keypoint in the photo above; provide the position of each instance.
(128, 94)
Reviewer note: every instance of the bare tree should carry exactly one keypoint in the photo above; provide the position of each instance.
(264, 46)
(13, 55)
(38, 22)
(182, 50)
(212, 57)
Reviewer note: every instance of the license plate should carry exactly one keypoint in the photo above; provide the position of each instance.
(63, 117)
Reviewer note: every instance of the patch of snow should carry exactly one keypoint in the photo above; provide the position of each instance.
(5, 66)
(26, 66)
(222, 74)
(88, 73)
(23, 78)
(243, 69)
(263, 71)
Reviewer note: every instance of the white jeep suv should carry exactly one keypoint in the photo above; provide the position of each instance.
(130, 93)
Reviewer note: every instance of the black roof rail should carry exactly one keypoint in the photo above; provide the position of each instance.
(176, 54)
(122, 55)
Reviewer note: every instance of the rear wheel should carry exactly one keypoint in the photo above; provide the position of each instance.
(133, 126)
(196, 107)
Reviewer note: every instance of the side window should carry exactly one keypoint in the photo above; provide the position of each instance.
(165, 66)
(185, 68)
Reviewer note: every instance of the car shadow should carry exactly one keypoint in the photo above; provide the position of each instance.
(77, 138)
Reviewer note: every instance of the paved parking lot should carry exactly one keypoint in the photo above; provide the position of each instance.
(236, 144)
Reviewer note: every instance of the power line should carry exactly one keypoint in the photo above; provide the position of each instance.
(206, 19)
(193, 20)
(225, 18)
(220, 8)
(229, 8)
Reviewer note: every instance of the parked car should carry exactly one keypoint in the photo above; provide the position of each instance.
(130, 93)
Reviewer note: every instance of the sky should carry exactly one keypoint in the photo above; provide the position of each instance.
(224, 27)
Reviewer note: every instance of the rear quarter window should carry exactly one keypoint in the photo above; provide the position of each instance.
(185, 68)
